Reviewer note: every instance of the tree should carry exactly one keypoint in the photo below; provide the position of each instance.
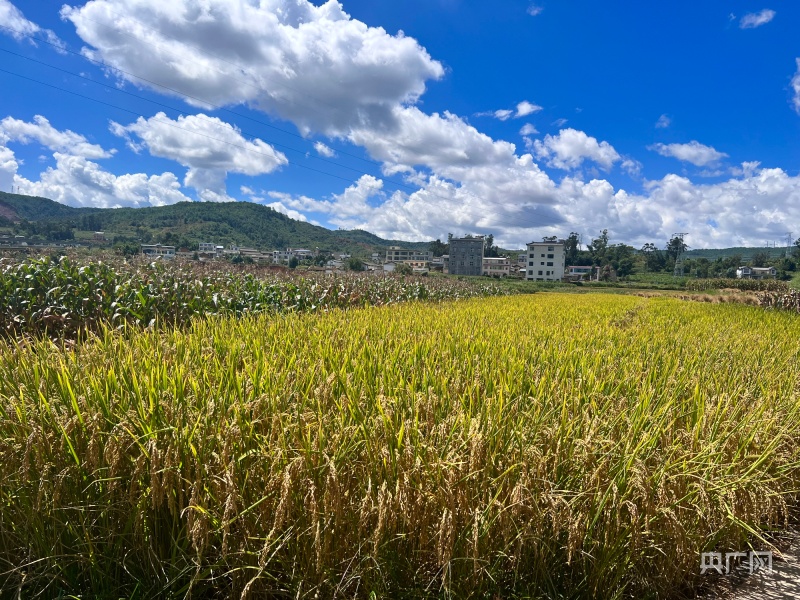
(654, 259)
(571, 248)
(293, 262)
(598, 247)
(437, 248)
(126, 248)
(354, 264)
(490, 249)
(760, 259)
(620, 257)
(796, 249)
(403, 269)
(675, 248)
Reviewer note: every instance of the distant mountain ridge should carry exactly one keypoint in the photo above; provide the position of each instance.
(245, 224)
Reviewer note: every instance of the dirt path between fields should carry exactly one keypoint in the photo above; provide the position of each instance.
(783, 583)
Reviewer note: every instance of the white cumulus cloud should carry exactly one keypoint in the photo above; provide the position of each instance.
(663, 122)
(8, 168)
(523, 109)
(312, 65)
(526, 108)
(571, 147)
(753, 20)
(77, 181)
(324, 150)
(694, 152)
(209, 147)
(17, 26)
(40, 130)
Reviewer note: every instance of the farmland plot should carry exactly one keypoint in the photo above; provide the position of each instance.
(584, 446)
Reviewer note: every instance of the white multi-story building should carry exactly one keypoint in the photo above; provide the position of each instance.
(207, 248)
(158, 250)
(745, 272)
(302, 253)
(397, 254)
(497, 266)
(546, 261)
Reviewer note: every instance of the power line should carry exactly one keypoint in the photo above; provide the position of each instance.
(531, 223)
(167, 106)
(527, 222)
(184, 95)
(169, 123)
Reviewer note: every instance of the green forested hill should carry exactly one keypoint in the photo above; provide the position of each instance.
(187, 224)
(33, 208)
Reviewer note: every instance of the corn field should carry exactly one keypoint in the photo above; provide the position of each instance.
(62, 298)
(745, 285)
(789, 300)
(558, 446)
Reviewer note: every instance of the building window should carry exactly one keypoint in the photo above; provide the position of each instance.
(542, 255)
(532, 255)
(550, 248)
(541, 263)
(540, 272)
(548, 273)
(549, 264)
(549, 256)
(530, 264)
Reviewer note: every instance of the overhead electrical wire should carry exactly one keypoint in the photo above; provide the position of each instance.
(528, 222)
(102, 64)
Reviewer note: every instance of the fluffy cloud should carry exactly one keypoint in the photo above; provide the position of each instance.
(40, 130)
(796, 88)
(663, 122)
(753, 20)
(507, 202)
(8, 168)
(312, 65)
(526, 108)
(80, 182)
(632, 167)
(523, 109)
(292, 214)
(528, 129)
(535, 10)
(571, 147)
(332, 75)
(694, 152)
(208, 146)
(445, 143)
(324, 150)
(19, 27)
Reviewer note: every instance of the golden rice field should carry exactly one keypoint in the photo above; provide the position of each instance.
(546, 446)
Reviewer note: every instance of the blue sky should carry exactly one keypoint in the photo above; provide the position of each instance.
(416, 119)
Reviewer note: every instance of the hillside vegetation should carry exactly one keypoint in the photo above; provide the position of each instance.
(186, 224)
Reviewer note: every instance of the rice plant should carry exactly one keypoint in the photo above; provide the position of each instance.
(745, 285)
(558, 446)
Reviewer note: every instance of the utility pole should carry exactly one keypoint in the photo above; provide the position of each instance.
(678, 272)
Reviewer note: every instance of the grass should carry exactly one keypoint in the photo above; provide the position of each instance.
(559, 446)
